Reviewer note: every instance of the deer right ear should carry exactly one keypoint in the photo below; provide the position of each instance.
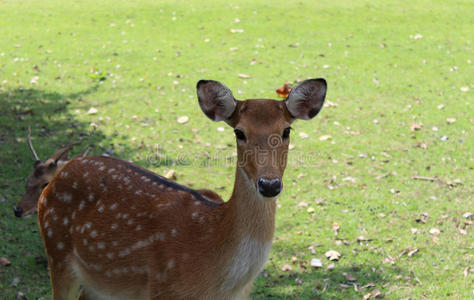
(216, 100)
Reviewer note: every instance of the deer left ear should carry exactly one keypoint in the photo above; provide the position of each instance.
(307, 98)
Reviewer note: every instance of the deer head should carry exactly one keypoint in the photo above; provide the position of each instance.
(262, 127)
(42, 174)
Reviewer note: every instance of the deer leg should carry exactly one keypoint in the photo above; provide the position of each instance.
(64, 282)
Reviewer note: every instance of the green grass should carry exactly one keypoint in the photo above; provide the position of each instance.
(151, 55)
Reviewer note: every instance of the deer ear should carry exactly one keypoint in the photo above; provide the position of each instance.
(307, 98)
(216, 100)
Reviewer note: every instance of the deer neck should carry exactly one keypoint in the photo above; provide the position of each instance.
(252, 215)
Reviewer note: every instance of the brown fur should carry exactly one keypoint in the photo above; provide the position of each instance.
(121, 231)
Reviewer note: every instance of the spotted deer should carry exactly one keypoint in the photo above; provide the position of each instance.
(120, 231)
(42, 174)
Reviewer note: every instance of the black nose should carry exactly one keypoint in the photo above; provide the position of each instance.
(18, 211)
(269, 187)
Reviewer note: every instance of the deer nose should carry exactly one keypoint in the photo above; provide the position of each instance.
(269, 187)
(18, 212)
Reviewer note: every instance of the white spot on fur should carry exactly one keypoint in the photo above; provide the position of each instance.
(111, 170)
(100, 245)
(90, 197)
(93, 233)
(74, 185)
(67, 197)
(65, 221)
(85, 175)
(60, 245)
(115, 243)
(138, 228)
(50, 232)
(110, 255)
(114, 226)
(85, 242)
(81, 205)
(174, 232)
(171, 264)
(100, 209)
(130, 222)
(195, 215)
(113, 206)
(101, 168)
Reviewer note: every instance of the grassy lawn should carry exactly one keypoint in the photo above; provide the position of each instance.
(399, 105)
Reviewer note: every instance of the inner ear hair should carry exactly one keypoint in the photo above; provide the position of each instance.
(307, 98)
(216, 100)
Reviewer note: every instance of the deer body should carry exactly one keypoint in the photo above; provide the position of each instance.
(122, 232)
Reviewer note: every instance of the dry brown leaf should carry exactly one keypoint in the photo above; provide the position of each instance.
(183, 119)
(332, 255)
(171, 174)
(284, 90)
(416, 126)
(286, 268)
(4, 262)
(244, 76)
(412, 252)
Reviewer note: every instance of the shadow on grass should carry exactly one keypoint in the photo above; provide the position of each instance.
(47, 113)
(339, 283)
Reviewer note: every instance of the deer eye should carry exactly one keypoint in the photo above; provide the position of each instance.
(240, 135)
(286, 133)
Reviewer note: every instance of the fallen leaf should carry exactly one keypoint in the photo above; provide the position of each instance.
(310, 210)
(294, 45)
(332, 255)
(376, 294)
(92, 111)
(435, 231)
(316, 262)
(4, 262)
(330, 267)
(183, 119)
(21, 296)
(416, 126)
(363, 239)
(293, 259)
(325, 137)
(284, 90)
(286, 268)
(303, 135)
(412, 252)
(467, 215)
(171, 174)
(302, 204)
(464, 89)
(450, 120)
(244, 76)
(349, 277)
(239, 30)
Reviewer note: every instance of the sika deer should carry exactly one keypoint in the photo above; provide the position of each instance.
(122, 232)
(42, 174)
